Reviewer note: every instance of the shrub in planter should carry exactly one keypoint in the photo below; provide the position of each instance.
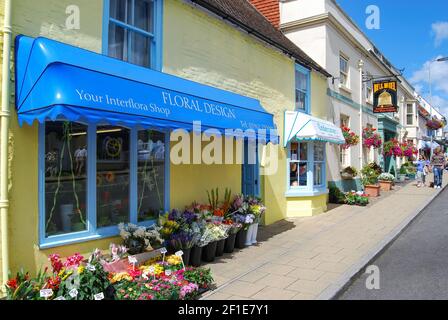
(370, 175)
(349, 173)
(336, 196)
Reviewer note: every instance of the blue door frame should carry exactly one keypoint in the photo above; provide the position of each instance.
(250, 177)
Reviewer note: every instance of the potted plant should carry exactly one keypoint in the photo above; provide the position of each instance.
(229, 245)
(386, 180)
(349, 173)
(370, 179)
(402, 174)
(356, 199)
(256, 208)
(183, 240)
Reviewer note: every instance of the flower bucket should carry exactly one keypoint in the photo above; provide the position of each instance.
(254, 233)
(209, 251)
(195, 256)
(385, 185)
(240, 241)
(220, 247)
(186, 256)
(230, 243)
(372, 191)
(249, 235)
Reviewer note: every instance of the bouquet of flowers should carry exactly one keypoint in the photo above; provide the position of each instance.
(371, 138)
(351, 139)
(183, 239)
(234, 226)
(138, 238)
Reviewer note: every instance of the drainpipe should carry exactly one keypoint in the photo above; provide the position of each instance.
(4, 137)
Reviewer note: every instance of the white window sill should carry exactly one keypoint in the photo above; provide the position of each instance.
(344, 88)
(291, 193)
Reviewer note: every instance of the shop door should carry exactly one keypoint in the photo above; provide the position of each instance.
(250, 173)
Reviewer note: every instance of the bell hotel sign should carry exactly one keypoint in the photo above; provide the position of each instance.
(385, 96)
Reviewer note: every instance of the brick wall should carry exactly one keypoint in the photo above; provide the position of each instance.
(270, 9)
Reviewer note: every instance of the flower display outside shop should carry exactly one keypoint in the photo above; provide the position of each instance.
(386, 177)
(135, 270)
(353, 198)
(351, 138)
(371, 138)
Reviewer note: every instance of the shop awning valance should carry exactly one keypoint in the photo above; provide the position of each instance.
(303, 127)
(59, 81)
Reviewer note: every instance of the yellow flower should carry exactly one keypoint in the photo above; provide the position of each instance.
(81, 269)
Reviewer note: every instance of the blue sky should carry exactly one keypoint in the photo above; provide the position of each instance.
(411, 34)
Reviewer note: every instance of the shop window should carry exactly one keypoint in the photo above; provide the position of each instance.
(306, 168)
(85, 197)
(132, 31)
(151, 170)
(112, 175)
(302, 89)
(65, 178)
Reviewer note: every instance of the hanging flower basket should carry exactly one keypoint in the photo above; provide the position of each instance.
(392, 148)
(351, 139)
(371, 138)
(435, 124)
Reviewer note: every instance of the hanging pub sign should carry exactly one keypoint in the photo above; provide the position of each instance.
(385, 97)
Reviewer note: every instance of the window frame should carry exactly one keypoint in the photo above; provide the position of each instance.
(346, 73)
(410, 114)
(155, 37)
(310, 189)
(300, 69)
(92, 232)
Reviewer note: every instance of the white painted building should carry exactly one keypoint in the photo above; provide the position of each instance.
(326, 33)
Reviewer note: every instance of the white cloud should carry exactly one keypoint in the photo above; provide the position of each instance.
(440, 103)
(440, 30)
(439, 76)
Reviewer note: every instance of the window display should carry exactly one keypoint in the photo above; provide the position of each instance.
(65, 177)
(112, 169)
(151, 174)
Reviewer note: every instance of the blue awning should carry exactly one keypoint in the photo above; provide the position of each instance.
(59, 81)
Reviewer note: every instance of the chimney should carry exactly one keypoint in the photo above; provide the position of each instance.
(270, 9)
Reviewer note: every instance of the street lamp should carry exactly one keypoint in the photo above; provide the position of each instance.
(430, 95)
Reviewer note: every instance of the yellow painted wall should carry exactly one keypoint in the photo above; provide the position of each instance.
(41, 18)
(202, 48)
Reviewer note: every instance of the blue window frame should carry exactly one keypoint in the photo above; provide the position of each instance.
(64, 166)
(306, 168)
(132, 31)
(302, 89)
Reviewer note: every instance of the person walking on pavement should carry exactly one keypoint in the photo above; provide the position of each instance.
(438, 164)
(422, 170)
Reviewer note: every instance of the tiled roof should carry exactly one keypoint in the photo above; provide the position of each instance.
(270, 9)
(247, 17)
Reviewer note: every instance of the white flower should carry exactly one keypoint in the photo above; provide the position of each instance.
(121, 226)
(140, 232)
(124, 234)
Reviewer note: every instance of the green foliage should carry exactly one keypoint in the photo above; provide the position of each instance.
(370, 173)
(23, 287)
(88, 281)
(353, 199)
(403, 170)
(213, 198)
(201, 276)
(351, 170)
(336, 195)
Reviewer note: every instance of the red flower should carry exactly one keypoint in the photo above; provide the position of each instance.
(12, 283)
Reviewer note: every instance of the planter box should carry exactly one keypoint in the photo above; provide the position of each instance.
(372, 191)
(385, 185)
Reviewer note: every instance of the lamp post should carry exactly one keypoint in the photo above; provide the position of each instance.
(430, 95)
(361, 94)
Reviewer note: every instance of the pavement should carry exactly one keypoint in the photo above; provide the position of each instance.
(415, 264)
(315, 257)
